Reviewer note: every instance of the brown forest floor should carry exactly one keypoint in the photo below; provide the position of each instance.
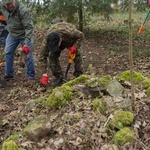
(98, 51)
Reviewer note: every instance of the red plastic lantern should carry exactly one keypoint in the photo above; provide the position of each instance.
(44, 79)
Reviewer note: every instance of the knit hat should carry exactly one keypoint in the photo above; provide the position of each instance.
(53, 41)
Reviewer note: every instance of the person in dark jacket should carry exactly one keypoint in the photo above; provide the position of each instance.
(3, 30)
(3, 36)
(62, 35)
(20, 27)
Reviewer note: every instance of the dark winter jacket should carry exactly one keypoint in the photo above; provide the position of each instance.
(3, 31)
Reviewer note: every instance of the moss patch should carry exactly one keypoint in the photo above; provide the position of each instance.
(121, 119)
(14, 136)
(105, 80)
(9, 145)
(93, 82)
(125, 76)
(123, 136)
(59, 97)
(80, 79)
(98, 105)
(146, 83)
(148, 92)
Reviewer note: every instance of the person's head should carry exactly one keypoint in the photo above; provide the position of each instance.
(54, 41)
(9, 4)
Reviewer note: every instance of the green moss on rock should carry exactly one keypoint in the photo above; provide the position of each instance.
(121, 119)
(93, 82)
(14, 136)
(9, 145)
(38, 128)
(98, 105)
(59, 97)
(125, 76)
(105, 80)
(146, 83)
(148, 92)
(124, 136)
(80, 79)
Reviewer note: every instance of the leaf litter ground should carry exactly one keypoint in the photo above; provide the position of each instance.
(98, 52)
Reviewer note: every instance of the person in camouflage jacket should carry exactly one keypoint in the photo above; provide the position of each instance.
(62, 35)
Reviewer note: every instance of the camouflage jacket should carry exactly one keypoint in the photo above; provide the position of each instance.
(69, 34)
(19, 22)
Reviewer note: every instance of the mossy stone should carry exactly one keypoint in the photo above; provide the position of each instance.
(146, 83)
(125, 76)
(121, 119)
(38, 128)
(124, 136)
(59, 97)
(98, 105)
(93, 82)
(9, 145)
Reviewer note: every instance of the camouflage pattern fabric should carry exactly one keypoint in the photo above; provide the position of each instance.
(56, 20)
(70, 37)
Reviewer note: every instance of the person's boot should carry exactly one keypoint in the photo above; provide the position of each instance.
(57, 82)
(23, 58)
(77, 73)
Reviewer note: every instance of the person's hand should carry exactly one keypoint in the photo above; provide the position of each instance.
(26, 49)
(73, 49)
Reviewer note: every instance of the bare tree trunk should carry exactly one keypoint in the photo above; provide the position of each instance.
(131, 55)
(80, 13)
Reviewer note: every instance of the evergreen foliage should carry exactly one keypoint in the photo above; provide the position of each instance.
(78, 11)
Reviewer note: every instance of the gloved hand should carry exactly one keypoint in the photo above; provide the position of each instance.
(73, 49)
(26, 49)
(24, 52)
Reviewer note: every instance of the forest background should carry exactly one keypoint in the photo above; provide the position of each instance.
(104, 16)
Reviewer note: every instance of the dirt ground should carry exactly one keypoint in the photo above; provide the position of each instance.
(96, 52)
